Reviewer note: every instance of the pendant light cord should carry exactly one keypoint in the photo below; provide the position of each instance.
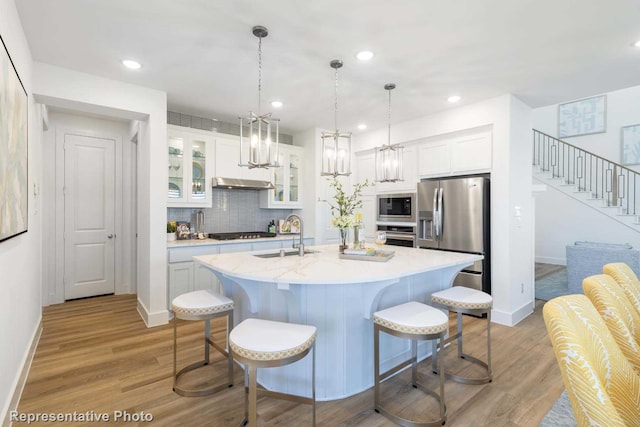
(335, 114)
(259, 73)
(389, 121)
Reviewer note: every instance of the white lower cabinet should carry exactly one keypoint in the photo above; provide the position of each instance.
(180, 279)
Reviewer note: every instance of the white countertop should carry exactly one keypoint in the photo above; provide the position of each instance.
(209, 242)
(325, 267)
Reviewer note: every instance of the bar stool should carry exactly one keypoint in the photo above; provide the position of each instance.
(414, 321)
(465, 300)
(201, 305)
(258, 343)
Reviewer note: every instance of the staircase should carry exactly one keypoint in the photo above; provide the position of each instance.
(606, 186)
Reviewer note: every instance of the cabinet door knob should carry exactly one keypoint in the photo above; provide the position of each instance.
(110, 236)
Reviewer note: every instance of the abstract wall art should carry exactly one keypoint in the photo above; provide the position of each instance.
(13, 149)
(582, 117)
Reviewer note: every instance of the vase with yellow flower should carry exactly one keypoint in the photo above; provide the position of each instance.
(343, 206)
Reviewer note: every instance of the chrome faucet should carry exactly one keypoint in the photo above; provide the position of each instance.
(301, 244)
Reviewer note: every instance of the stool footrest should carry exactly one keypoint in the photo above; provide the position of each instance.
(395, 369)
(408, 423)
(284, 396)
(195, 392)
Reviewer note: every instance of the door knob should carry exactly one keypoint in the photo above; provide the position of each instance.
(110, 236)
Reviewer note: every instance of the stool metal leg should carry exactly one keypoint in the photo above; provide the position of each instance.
(458, 336)
(378, 377)
(207, 339)
(207, 342)
(376, 364)
(253, 398)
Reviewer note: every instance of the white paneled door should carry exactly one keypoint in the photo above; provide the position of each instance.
(89, 204)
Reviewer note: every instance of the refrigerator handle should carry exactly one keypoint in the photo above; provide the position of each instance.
(440, 213)
(435, 212)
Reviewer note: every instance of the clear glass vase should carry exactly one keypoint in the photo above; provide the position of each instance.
(344, 238)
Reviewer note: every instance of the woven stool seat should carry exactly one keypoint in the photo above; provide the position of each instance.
(462, 297)
(463, 300)
(258, 343)
(415, 321)
(201, 305)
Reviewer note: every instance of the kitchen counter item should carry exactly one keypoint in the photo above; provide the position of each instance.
(376, 256)
(241, 235)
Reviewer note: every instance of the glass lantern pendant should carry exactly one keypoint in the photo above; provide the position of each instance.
(336, 146)
(261, 151)
(389, 156)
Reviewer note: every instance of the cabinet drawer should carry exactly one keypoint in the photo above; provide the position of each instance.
(185, 254)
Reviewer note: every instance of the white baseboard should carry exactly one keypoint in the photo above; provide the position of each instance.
(551, 260)
(511, 319)
(152, 319)
(21, 380)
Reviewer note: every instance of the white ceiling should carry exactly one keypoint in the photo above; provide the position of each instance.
(202, 52)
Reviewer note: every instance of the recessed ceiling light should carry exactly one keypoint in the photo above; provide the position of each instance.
(453, 98)
(131, 64)
(276, 104)
(637, 44)
(365, 55)
(362, 126)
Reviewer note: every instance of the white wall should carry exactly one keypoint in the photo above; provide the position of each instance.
(623, 109)
(20, 257)
(73, 90)
(560, 220)
(511, 242)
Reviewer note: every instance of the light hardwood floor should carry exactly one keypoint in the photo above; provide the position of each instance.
(97, 355)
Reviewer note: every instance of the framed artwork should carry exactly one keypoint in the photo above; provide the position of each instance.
(183, 230)
(582, 117)
(13, 149)
(630, 145)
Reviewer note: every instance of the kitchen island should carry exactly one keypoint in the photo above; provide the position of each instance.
(338, 296)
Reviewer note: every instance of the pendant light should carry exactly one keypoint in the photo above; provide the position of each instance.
(262, 148)
(389, 157)
(336, 146)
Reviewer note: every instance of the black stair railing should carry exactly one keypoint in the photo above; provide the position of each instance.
(614, 184)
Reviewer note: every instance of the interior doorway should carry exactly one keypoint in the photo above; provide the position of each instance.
(90, 187)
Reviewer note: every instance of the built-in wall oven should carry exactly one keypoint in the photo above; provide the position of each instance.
(396, 215)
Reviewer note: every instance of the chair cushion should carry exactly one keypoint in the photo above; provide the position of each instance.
(412, 318)
(463, 297)
(200, 303)
(258, 339)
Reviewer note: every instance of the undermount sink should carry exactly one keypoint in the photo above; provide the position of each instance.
(286, 253)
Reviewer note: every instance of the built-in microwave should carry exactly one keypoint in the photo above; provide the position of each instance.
(399, 207)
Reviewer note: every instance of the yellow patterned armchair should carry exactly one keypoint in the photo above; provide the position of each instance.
(602, 385)
(618, 314)
(627, 279)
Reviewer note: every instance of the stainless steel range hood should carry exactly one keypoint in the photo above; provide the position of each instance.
(241, 184)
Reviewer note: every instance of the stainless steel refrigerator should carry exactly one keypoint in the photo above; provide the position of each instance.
(453, 215)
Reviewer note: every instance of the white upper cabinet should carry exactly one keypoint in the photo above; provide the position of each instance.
(227, 154)
(455, 156)
(190, 165)
(287, 180)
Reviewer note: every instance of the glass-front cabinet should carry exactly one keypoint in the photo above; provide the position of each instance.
(287, 180)
(190, 172)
